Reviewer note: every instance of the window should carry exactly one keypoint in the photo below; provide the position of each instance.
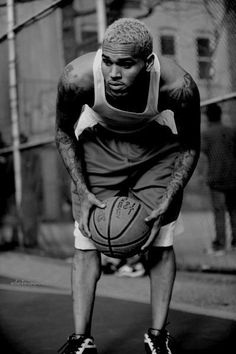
(167, 45)
(88, 36)
(204, 57)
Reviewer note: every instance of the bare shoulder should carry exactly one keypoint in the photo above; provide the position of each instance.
(78, 74)
(175, 81)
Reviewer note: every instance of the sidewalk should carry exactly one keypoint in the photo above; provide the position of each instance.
(197, 289)
(56, 241)
(207, 294)
(190, 246)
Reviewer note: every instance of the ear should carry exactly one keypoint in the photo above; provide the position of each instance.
(149, 62)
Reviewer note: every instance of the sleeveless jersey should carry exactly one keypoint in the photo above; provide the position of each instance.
(118, 120)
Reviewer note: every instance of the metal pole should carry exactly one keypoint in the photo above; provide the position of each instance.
(14, 108)
(219, 99)
(101, 19)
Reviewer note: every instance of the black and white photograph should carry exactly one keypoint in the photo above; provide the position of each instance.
(117, 176)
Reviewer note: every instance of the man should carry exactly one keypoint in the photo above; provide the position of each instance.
(126, 146)
(219, 145)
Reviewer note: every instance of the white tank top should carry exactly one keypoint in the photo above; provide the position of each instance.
(118, 120)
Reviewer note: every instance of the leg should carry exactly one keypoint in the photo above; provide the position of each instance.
(231, 206)
(86, 272)
(162, 267)
(218, 204)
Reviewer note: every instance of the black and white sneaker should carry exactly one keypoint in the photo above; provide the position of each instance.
(131, 271)
(157, 344)
(78, 345)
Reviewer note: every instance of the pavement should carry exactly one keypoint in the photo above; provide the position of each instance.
(34, 322)
(36, 311)
(35, 292)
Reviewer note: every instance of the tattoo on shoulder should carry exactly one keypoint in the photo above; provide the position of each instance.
(67, 72)
(69, 87)
(184, 89)
(69, 68)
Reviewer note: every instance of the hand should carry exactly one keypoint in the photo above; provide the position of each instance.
(155, 219)
(87, 201)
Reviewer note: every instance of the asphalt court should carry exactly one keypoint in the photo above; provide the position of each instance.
(33, 322)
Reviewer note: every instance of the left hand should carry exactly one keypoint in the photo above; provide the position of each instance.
(155, 219)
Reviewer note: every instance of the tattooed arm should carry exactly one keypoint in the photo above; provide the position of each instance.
(182, 97)
(68, 109)
(73, 93)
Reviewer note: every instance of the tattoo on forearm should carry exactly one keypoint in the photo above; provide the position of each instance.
(183, 98)
(183, 169)
(67, 148)
(68, 111)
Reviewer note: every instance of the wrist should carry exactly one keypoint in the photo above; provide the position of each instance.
(82, 189)
(163, 205)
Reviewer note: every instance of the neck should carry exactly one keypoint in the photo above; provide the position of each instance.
(135, 100)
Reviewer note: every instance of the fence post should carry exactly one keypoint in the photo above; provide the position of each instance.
(101, 19)
(14, 112)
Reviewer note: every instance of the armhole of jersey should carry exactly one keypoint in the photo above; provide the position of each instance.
(157, 69)
(96, 71)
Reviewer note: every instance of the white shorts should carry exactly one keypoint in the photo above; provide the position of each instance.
(165, 236)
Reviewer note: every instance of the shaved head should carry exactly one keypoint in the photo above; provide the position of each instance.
(130, 31)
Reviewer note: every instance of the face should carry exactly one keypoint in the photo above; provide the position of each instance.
(122, 69)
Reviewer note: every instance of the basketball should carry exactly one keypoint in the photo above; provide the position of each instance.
(119, 230)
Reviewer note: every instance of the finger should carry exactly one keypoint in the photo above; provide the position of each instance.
(99, 204)
(86, 228)
(87, 231)
(84, 224)
(149, 241)
(81, 228)
(151, 217)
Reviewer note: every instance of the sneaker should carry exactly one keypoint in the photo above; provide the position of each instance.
(132, 271)
(213, 252)
(157, 344)
(79, 345)
(108, 268)
(217, 249)
(233, 246)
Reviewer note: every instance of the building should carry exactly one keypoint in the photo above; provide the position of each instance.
(198, 34)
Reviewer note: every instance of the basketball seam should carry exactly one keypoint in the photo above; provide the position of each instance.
(95, 226)
(109, 225)
(132, 242)
(129, 223)
(114, 249)
(124, 244)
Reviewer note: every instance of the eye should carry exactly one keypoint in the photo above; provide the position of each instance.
(107, 62)
(127, 65)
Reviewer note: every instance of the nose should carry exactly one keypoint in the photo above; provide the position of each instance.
(115, 72)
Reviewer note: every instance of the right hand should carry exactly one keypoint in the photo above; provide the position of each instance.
(87, 201)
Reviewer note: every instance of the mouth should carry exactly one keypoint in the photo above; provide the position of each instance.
(115, 86)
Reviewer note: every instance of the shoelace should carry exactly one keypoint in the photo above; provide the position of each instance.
(157, 343)
(71, 345)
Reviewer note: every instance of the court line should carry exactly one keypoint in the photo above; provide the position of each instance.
(41, 289)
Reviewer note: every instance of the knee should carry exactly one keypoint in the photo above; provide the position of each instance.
(160, 255)
(161, 252)
(88, 261)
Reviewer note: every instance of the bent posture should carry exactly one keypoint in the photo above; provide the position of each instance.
(128, 123)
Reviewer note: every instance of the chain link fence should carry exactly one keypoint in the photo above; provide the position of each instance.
(200, 35)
